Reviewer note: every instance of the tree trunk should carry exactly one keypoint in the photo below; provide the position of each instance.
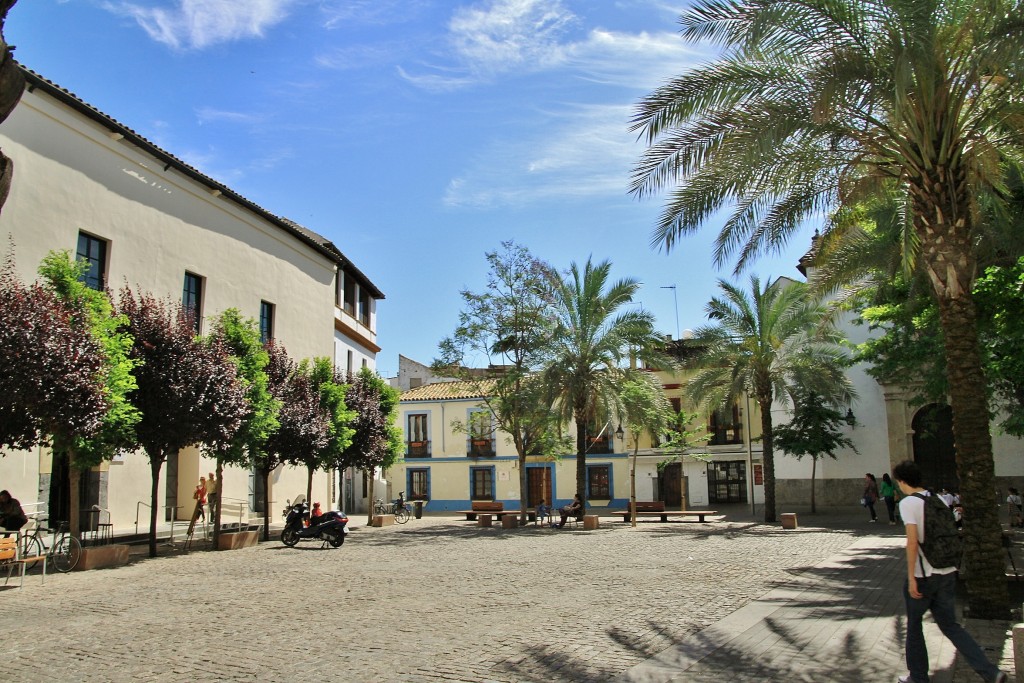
(156, 461)
(632, 483)
(309, 485)
(581, 458)
(74, 496)
(767, 457)
(265, 474)
(215, 512)
(369, 488)
(814, 468)
(941, 219)
(524, 489)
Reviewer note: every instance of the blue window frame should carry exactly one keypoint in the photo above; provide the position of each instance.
(417, 483)
(481, 483)
(599, 481)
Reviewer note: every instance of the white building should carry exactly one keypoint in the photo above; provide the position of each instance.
(143, 218)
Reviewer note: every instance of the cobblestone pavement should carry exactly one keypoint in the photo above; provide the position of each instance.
(434, 600)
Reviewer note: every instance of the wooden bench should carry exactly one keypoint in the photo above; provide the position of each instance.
(495, 509)
(657, 509)
(10, 557)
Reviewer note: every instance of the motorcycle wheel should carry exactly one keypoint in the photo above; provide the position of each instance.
(289, 537)
(336, 539)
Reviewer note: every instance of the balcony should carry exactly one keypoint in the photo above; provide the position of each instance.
(417, 449)
(481, 448)
(725, 435)
(599, 445)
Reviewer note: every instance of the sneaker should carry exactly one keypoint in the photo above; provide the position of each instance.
(905, 679)
(1002, 677)
(872, 520)
(892, 523)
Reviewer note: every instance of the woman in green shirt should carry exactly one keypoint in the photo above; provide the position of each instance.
(888, 493)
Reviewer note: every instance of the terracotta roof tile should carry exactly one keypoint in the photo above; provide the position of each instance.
(445, 391)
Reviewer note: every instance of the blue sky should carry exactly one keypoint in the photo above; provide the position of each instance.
(416, 134)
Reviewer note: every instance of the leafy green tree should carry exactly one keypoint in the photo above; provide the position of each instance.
(187, 392)
(645, 410)
(815, 431)
(303, 426)
(593, 339)
(51, 367)
(1000, 296)
(331, 389)
(815, 104)
(376, 440)
(93, 309)
(762, 343)
(509, 326)
(241, 337)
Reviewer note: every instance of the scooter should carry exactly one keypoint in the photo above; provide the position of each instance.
(330, 527)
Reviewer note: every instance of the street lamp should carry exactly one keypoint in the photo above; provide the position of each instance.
(619, 434)
(675, 299)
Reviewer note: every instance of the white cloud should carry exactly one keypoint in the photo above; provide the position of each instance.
(585, 151)
(511, 34)
(200, 23)
(211, 115)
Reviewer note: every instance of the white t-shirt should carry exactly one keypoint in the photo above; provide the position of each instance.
(912, 512)
(1013, 500)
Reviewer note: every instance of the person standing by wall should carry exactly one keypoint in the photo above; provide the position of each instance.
(930, 587)
(888, 492)
(1016, 507)
(870, 495)
(213, 495)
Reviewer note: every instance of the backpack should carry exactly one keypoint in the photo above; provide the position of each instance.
(942, 544)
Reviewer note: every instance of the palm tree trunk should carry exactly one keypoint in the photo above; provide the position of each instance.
(581, 458)
(767, 457)
(951, 266)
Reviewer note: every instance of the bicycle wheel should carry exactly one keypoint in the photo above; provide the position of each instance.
(66, 553)
(31, 547)
(401, 515)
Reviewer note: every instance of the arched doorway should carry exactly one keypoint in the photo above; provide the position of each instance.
(934, 451)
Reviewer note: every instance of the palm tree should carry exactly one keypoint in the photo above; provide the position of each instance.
(764, 344)
(592, 342)
(816, 104)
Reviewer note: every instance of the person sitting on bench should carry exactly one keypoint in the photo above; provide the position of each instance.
(573, 509)
(543, 512)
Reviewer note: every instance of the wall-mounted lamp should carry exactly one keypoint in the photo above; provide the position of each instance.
(619, 434)
(850, 418)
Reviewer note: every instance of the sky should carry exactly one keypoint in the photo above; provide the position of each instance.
(416, 134)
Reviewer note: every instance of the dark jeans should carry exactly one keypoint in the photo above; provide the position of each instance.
(938, 594)
(871, 508)
(890, 505)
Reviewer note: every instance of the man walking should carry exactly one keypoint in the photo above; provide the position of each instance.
(930, 587)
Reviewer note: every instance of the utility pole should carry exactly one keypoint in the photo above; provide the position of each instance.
(675, 300)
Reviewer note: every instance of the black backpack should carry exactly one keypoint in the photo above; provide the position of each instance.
(942, 544)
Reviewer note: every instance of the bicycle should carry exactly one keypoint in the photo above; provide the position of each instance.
(64, 551)
(399, 508)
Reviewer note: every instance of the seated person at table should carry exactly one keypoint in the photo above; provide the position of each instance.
(12, 517)
(573, 509)
(543, 511)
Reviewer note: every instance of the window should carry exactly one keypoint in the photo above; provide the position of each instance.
(366, 363)
(416, 433)
(598, 482)
(364, 307)
(348, 361)
(192, 298)
(418, 484)
(481, 483)
(481, 433)
(724, 426)
(350, 295)
(266, 321)
(93, 251)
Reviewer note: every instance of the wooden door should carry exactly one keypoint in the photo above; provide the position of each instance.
(538, 483)
(671, 485)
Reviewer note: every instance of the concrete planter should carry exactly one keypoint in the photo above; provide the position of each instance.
(232, 540)
(101, 556)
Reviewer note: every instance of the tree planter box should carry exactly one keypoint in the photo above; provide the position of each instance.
(233, 540)
(101, 556)
(788, 520)
(382, 520)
